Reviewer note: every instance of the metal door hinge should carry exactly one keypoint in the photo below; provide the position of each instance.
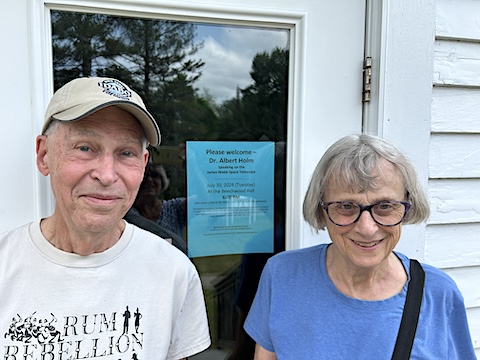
(367, 79)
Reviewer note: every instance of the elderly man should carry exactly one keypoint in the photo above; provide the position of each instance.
(71, 283)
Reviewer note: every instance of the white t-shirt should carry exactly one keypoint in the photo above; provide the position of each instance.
(141, 299)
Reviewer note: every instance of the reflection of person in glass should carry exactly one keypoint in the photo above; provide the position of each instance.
(149, 212)
(345, 300)
(170, 214)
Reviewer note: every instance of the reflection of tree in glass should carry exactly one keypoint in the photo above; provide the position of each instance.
(149, 52)
(158, 54)
(80, 44)
(261, 108)
(153, 56)
(156, 58)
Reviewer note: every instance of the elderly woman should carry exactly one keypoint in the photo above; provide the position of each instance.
(345, 300)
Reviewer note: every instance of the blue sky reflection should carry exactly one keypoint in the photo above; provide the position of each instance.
(228, 52)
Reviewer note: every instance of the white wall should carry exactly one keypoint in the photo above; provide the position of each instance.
(453, 233)
(17, 205)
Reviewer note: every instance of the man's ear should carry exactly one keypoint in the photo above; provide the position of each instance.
(42, 156)
(145, 158)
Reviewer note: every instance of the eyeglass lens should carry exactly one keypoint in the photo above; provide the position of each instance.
(384, 213)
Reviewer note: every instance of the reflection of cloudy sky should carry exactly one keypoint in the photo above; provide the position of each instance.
(228, 53)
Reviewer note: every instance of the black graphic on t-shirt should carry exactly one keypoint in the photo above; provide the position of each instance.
(126, 316)
(31, 329)
(137, 317)
(74, 336)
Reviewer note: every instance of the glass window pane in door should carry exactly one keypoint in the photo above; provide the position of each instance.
(202, 82)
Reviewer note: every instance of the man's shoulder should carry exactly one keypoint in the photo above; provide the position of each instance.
(15, 241)
(139, 221)
(153, 244)
(20, 231)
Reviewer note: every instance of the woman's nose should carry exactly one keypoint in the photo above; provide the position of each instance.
(366, 224)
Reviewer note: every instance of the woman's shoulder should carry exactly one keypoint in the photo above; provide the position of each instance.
(437, 281)
(298, 257)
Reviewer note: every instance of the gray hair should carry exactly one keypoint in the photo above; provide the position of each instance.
(352, 160)
(51, 128)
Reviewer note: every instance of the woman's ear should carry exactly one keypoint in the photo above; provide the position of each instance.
(42, 156)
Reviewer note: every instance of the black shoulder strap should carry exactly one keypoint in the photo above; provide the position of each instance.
(411, 312)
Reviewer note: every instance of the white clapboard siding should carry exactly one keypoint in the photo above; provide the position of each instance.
(458, 19)
(454, 156)
(454, 201)
(456, 109)
(452, 239)
(461, 240)
(456, 63)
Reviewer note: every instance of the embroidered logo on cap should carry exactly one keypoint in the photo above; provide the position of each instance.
(115, 88)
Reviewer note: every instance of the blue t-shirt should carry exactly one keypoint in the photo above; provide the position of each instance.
(299, 314)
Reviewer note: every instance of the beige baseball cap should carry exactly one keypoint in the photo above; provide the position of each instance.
(84, 96)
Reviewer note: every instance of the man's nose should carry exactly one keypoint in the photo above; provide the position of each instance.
(106, 169)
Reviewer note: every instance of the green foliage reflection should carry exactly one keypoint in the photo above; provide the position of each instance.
(157, 58)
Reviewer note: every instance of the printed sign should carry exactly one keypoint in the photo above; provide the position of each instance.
(230, 197)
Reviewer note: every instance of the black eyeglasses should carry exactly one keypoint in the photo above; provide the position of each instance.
(385, 213)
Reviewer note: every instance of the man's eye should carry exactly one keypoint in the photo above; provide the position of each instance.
(127, 153)
(84, 148)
